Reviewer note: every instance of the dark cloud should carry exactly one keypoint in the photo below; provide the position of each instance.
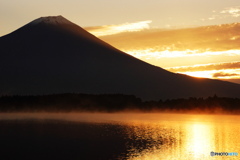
(223, 74)
(216, 66)
(93, 28)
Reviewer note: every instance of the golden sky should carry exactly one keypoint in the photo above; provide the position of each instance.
(207, 51)
(161, 13)
(195, 37)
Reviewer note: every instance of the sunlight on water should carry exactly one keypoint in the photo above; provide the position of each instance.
(190, 139)
(163, 136)
(199, 140)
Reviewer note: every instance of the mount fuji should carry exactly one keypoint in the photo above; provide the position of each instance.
(52, 55)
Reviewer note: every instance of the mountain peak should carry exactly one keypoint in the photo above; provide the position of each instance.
(51, 20)
(53, 55)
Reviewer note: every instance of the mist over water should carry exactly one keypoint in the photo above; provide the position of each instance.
(133, 136)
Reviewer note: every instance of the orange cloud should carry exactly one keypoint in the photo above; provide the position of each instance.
(210, 38)
(116, 29)
(215, 74)
(228, 70)
(179, 50)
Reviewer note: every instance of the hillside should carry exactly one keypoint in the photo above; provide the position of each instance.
(53, 55)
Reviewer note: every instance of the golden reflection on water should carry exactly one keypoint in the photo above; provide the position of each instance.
(199, 140)
(157, 136)
(190, 139)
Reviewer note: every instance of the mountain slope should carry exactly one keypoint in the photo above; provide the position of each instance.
(54, 55)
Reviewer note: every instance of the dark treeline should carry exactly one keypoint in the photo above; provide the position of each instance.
(115, 102)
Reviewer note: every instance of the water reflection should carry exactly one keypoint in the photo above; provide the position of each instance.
(199, 140)
(189, 139)
(148, 136)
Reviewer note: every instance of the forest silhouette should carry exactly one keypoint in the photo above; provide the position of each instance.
(116, 102)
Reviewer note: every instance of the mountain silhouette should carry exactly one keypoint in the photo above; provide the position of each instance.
(53, 55)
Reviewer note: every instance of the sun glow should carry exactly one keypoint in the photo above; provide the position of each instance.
(215, 74)
(219, 70)
(199, 74)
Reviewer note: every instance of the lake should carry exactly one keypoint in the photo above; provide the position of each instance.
(123, 136)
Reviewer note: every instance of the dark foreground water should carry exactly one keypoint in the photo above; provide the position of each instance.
(118, 136)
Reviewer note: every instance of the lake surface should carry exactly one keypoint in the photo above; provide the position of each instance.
(123, 136)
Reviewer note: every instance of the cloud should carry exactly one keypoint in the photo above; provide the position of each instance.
(207, 67)
(232, 11)
(215, 74)
(180, 47)
(116, 29)
(198, 39)
(222, 74)
(157, 53)
(228, 70)
(213, 17)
